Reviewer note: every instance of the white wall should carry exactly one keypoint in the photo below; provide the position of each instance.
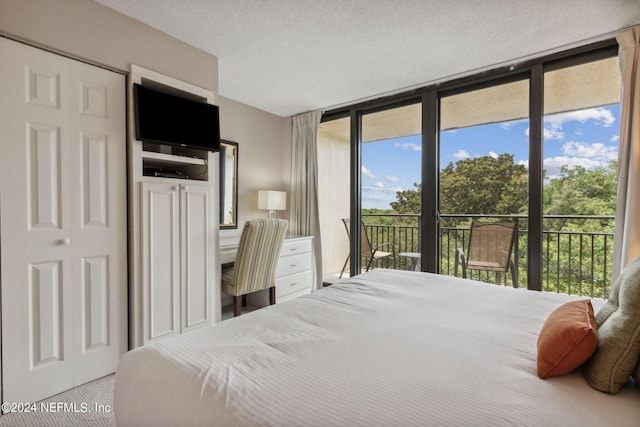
(264, 156)
(90, 31)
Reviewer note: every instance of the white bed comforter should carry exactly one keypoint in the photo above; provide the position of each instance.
(387, 348)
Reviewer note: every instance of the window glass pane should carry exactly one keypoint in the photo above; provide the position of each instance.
(581, 131)
(391, 191)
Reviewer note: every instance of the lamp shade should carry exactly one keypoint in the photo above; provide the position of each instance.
(272, 200)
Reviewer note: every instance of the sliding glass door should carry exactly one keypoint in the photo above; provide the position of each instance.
(581, 132)
(390, 187)
(484, 157)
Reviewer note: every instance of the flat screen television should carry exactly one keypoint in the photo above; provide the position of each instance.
(164, 118)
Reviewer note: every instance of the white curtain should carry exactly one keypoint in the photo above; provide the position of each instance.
(627, 228)
(305, 218)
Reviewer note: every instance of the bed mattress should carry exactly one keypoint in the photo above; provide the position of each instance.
(386, 348)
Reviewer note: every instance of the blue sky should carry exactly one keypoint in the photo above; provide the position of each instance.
(586, 137)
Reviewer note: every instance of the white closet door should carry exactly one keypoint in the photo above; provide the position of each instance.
(97, 148)
(47, 256)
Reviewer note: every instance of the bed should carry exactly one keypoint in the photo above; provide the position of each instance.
(386, 348)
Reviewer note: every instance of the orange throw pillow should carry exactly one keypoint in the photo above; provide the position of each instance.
(567, 339)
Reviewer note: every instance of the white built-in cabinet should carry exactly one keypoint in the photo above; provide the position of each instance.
(174, 285)
(63, 226)
(176, 257)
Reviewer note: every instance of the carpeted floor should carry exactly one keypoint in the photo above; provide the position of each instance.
(88, 405)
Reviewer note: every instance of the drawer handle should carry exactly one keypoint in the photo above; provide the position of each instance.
(293, 284)
(293, 265)
(293, 249)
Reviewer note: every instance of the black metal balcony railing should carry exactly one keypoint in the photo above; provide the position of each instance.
(576, 257)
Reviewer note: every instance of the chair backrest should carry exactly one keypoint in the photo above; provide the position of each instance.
(258, 253)
(491, 242)
(365, 244)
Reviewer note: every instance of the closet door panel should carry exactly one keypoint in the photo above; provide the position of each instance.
(98, 212)
(46, 313)
(95, 303)
(43, 169)
(35, 225)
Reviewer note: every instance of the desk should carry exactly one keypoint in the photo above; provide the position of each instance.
(295, 274)
(415, 258)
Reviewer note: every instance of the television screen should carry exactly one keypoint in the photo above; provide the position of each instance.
(168, 119)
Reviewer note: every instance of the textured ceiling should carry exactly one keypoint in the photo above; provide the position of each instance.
(291, 56)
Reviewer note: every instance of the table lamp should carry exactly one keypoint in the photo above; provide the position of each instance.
(272, 201)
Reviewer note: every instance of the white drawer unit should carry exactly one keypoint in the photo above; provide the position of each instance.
(295, 273)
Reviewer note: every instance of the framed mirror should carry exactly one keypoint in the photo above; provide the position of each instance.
(228, 184)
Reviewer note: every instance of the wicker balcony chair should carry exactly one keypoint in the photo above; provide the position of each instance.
(490, 246)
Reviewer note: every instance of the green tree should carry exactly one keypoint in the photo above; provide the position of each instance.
(577, 192)
(484, 185)
(408, 201)
(581, 191)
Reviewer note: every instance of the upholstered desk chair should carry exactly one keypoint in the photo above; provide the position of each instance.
(255, 266)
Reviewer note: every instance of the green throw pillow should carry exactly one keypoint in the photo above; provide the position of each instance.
(618, 322)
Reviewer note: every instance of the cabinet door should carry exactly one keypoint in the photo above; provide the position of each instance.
(160, 260)
(196, 256)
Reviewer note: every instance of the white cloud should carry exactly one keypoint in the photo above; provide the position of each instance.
(553, 132)
(552, 165)
(367, 172)
(550, 132)
(596, 150)
(408, 146)
(558, 161)
(553, 123)
(493, 154)
(588, 155)
(392, 178)
(615, 139)
(378, 197)
(378, 185)
(461, 154)
(602, 116)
